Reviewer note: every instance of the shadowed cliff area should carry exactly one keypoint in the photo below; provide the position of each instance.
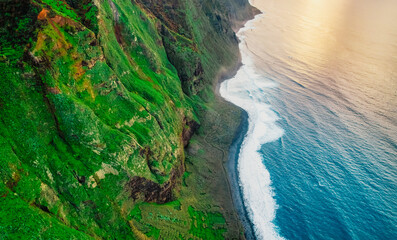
(98, 100)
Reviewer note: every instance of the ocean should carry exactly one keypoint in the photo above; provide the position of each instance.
(319, 84)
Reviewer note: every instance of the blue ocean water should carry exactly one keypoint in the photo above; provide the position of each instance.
(333, 178)
(319, 83)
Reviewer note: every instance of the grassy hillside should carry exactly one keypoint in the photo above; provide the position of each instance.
(97, 101)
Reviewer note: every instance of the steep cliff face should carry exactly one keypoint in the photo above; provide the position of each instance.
(190, 32)
(97, 101)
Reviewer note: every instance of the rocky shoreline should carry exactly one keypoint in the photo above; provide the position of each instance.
(232, 169)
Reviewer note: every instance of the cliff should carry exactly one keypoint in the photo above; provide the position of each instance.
(98, 100)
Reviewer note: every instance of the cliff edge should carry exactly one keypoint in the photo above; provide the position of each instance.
(98, 101)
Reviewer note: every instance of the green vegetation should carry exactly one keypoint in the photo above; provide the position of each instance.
(206, 225)
(97, 99)
(61, 8)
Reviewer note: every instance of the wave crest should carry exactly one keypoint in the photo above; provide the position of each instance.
(248, 91)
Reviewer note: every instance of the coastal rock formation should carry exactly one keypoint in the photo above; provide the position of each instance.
(98, 99)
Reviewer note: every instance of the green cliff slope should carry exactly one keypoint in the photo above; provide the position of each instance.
(97, 101)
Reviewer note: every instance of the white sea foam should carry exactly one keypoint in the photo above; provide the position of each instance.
(248, 91)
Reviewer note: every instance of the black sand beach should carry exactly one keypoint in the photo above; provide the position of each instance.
(232, 169)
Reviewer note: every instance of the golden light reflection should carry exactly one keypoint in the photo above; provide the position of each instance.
(316, 33)
(350, 42)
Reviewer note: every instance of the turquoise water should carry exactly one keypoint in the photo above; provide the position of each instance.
(319, 83)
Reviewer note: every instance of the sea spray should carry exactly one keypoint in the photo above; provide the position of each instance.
(248, 91)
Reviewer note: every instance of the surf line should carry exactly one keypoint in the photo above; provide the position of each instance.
(247, 89)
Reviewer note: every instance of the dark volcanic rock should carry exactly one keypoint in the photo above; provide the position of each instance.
(190, 128)
(150, 191)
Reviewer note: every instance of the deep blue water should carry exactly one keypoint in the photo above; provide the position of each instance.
(332, 178)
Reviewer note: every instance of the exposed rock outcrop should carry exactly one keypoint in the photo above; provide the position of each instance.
(149, 191)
